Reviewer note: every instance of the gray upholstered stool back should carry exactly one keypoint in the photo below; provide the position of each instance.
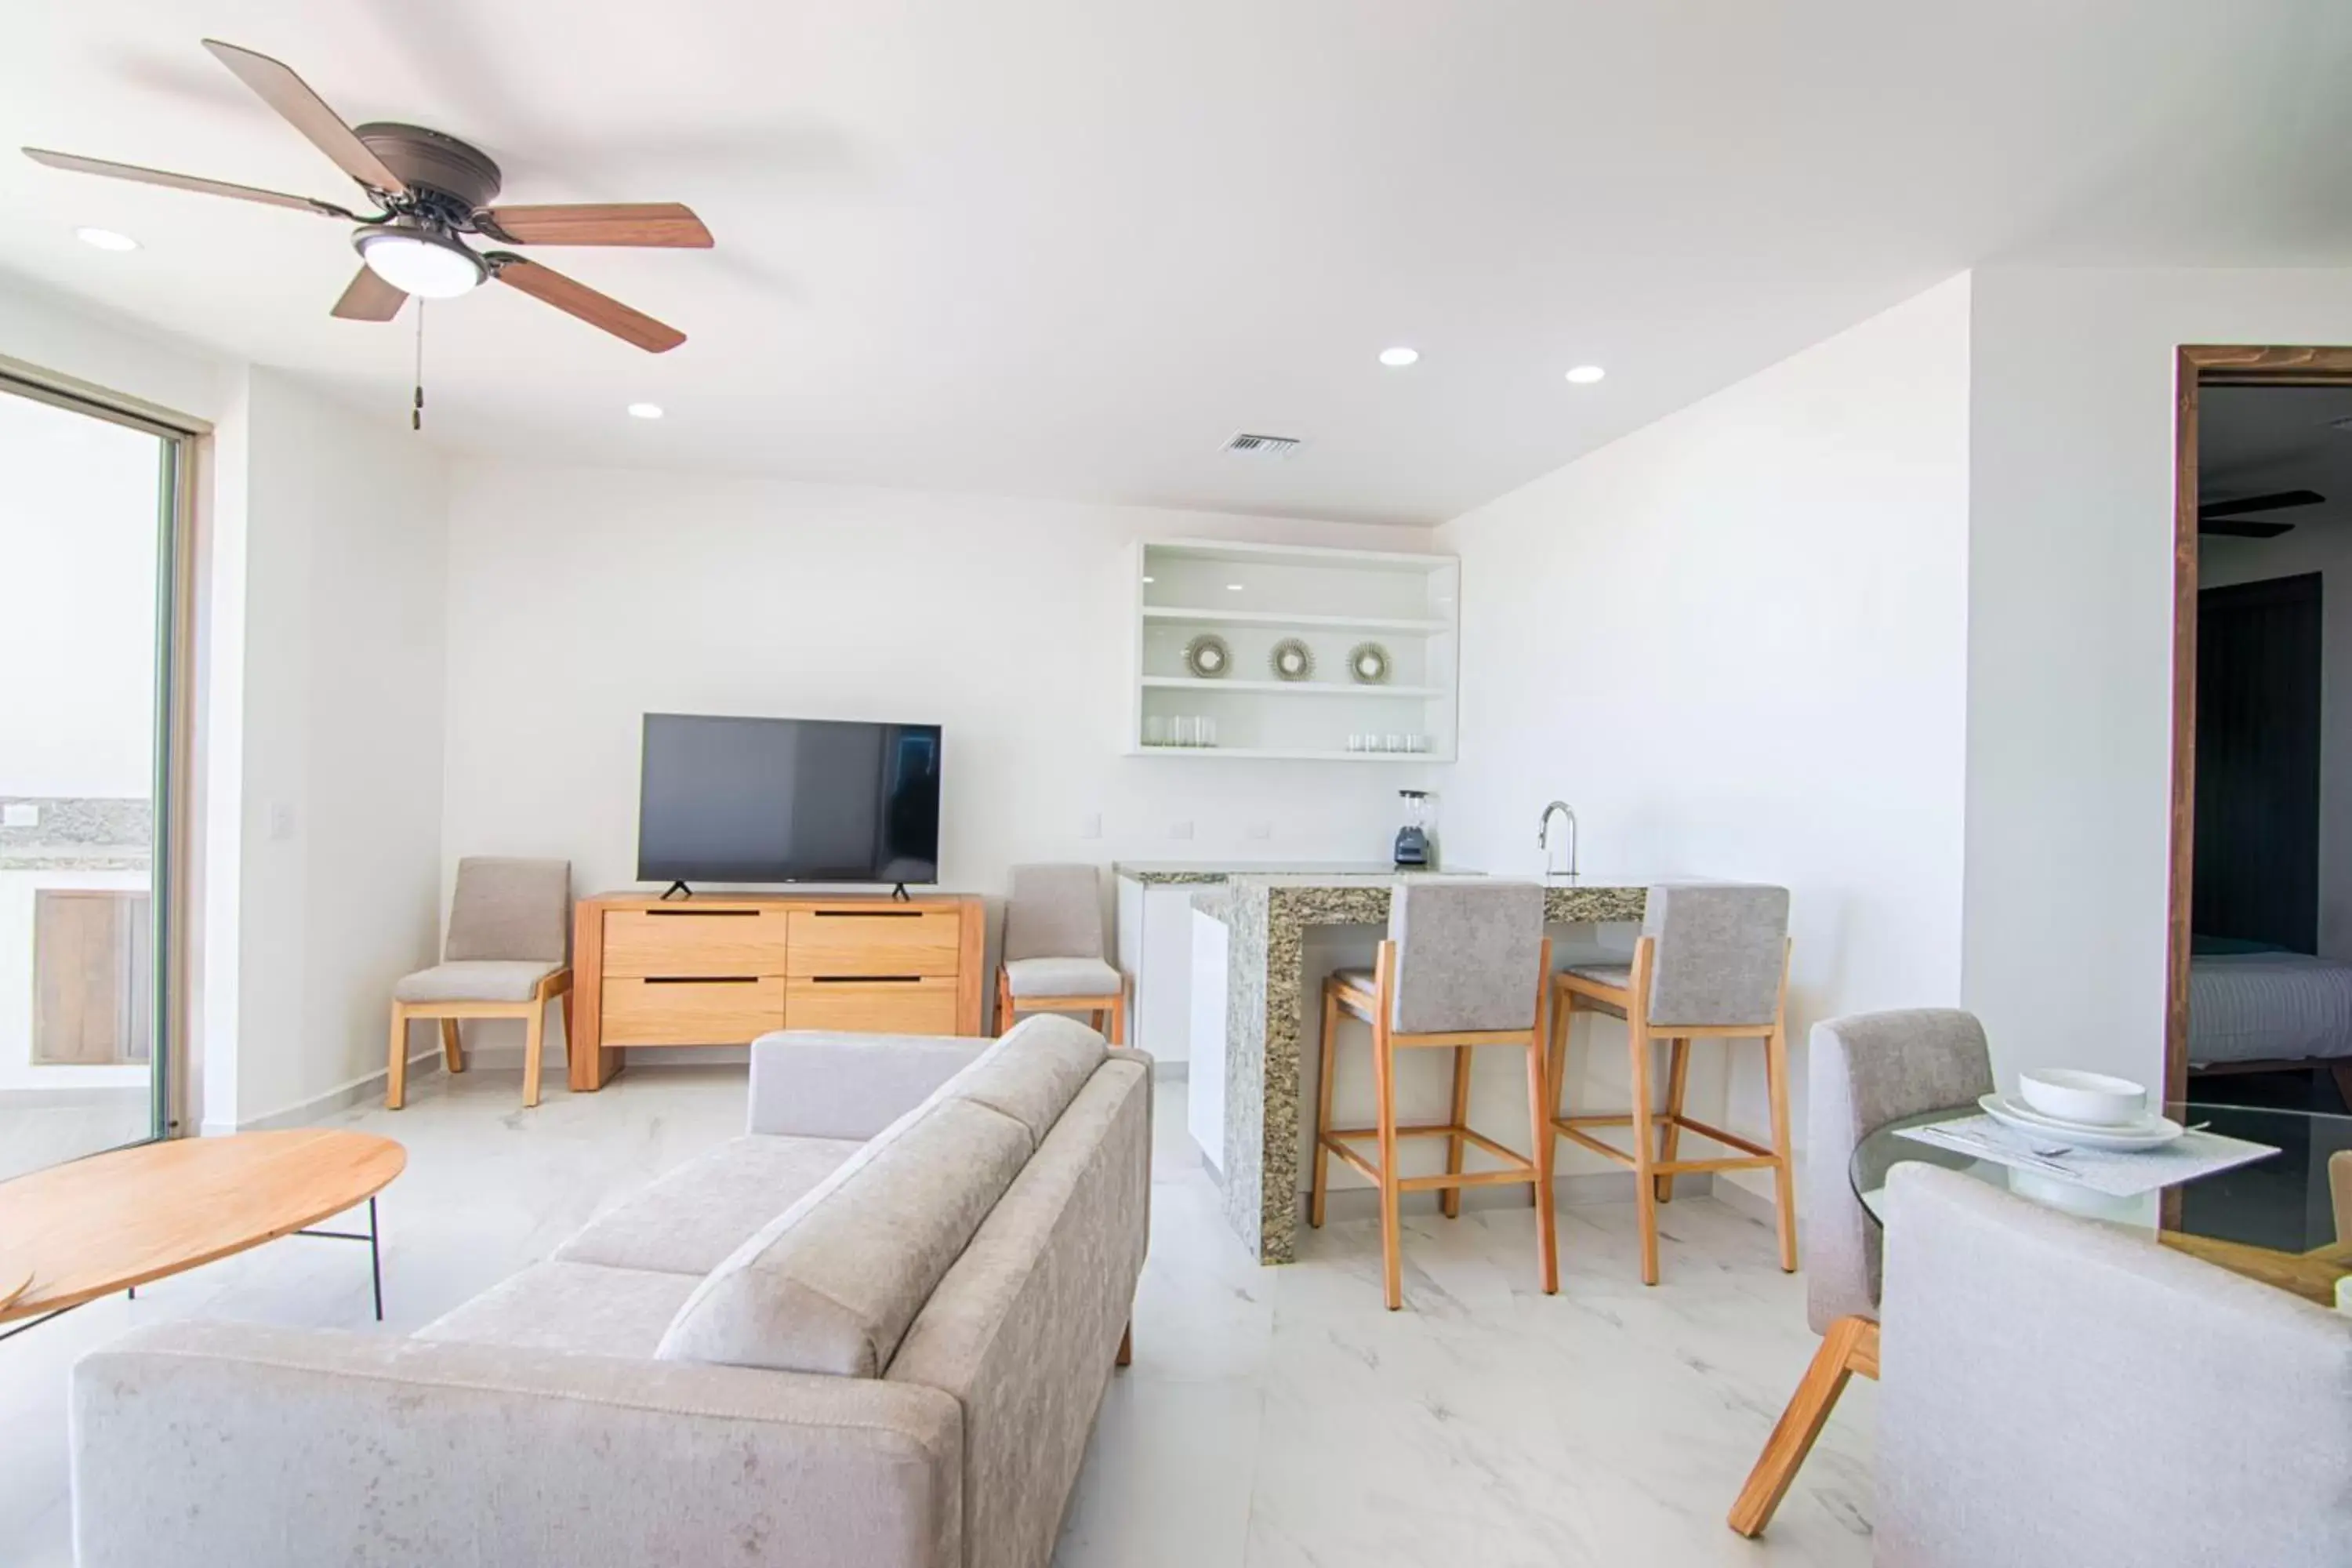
(1869, 1069)
(1055, 911)
(1466, 954)
(1721, 948)
(510, 911)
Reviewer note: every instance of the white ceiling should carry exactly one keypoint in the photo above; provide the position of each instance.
(2260, 440)
(1065, 247)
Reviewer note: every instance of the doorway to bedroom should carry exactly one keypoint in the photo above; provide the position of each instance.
(2265, 654)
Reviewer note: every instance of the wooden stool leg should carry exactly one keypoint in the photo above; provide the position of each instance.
(1392, 1232)
(566, 1002)
(453, 1048)
(533, 1040)
(1670, 1142)
(1118, 1018)
(1556, 1067)
(1849, 1346)
(1645, 1186)
(1126, 1347)
(1546, 1239)
(1784, 1183)
(1003, 1004)
(1449, 1200)
(395, 1066)
(1322, 1184)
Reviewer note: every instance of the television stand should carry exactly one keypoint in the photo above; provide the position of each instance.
(678, 888)
(899, 895)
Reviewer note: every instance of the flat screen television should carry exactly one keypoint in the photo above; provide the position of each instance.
(788, 800)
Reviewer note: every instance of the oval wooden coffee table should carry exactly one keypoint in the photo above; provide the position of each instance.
(115, 1221)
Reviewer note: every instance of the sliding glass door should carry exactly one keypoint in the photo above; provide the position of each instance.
(92, 524)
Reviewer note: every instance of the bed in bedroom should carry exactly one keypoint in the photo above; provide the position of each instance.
(2256, 1009)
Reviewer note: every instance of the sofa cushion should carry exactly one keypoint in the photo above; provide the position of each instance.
(1033, 1072)
(830, 1285)
(474, 980)
(1087, 977)
(687, 1222)
(583, 1308)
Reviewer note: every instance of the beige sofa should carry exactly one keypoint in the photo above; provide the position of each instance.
(871, 1333)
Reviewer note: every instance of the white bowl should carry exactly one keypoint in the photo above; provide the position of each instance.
(2091, 1097)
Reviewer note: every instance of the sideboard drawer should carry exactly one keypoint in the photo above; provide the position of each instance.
(911, 1006)
(725, 1012)
(874, 941)
(689, 941)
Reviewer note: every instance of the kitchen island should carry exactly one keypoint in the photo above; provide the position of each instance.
(1248, 1115)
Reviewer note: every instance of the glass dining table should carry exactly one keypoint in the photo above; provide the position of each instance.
(2274, 1219)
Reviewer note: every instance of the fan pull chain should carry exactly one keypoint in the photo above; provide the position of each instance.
(417, 409)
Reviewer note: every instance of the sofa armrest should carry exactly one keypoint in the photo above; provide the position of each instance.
(286, 1448)
(817, 1084)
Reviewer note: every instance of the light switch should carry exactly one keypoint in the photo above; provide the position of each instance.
(20, 814)
(1260, 830)
(1179, 830)
(281, 819)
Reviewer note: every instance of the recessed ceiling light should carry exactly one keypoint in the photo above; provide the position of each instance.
(106, 239)
(1150, 579)
(1235, 587)
(1399, 356)
(1586, 374)
(645, 411)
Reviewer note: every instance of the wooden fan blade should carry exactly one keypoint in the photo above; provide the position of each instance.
(369, 299)
(550, 287)
(2278, 501)
(611, 223)
(74, 164)
(290, 96)
(2244, 527)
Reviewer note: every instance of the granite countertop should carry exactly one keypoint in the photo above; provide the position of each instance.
(1211, 871)
(1361, 896)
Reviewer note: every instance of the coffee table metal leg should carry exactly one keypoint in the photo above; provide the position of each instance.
(375, 1253)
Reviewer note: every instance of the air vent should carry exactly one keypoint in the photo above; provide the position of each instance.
(1250, 446)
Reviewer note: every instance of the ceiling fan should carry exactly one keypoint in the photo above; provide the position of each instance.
(431, 190)
(2220, 516)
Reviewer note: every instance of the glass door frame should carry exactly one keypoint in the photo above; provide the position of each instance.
(169, 879)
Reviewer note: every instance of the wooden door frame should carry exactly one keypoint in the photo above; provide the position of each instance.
(2201, 366)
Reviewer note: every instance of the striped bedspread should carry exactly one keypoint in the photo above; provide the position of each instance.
(2266, 1006)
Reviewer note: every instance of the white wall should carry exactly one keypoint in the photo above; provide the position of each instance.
(2326, 549)
(580, 600)
(339, 566)
(2070, 639)
(1734, 642)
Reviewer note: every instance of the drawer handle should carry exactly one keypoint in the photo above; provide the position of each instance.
(702, 914)
(867, 979)
(869, 914)
(702, 980)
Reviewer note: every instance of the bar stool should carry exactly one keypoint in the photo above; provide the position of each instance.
(1453, 974)
(1712, 964)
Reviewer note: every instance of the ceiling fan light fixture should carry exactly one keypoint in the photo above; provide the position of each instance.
(106, 239)
(420, 262)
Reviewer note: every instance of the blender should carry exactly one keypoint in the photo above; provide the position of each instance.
(1416, 841)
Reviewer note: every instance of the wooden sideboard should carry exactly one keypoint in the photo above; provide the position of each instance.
(721, 969)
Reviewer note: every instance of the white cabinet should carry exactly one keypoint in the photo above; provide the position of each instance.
(1255, 598)
(1155, 949)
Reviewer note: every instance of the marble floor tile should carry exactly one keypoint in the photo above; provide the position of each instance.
(1272, 1418)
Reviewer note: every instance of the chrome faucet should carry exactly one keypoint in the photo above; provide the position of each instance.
(1543, 839)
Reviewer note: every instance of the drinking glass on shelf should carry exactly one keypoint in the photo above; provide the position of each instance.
(1155, 729)
(1356, 743)
(1208, 731)
(1416, 744)
(1395, 744)
(1188, 731)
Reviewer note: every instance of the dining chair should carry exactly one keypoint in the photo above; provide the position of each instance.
(2060, 1391)
(1463, 965)
(1711, 963)
(507, 952)
(1867, 1069)
(1054, 950)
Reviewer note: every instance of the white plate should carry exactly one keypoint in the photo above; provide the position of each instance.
(2154, 1132)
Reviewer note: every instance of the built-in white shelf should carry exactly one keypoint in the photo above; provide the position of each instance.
(1286, 621)
(1290, 688)
(1253, 596)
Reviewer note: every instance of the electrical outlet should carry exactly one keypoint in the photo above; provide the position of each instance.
(281, 819)
(1179, 830)
(1260, 830)
(1090, 824)
(20, 814)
